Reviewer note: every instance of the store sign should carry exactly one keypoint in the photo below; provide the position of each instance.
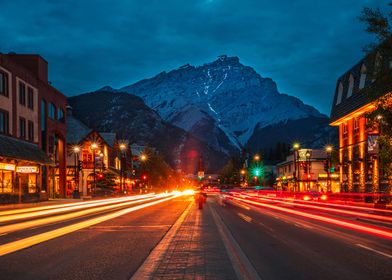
(27, 169)
(7, 166)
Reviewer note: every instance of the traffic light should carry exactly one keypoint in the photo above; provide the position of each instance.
(144, 177)
(100, 175)
(80, 165)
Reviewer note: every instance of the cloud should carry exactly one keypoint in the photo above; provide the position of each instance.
(303, 45)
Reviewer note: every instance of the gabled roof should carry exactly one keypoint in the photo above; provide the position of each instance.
(76, 130)
(20, 150)
(109, 137)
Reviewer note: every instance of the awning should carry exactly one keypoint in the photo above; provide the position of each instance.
(20, 150)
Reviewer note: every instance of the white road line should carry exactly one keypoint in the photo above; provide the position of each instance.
(374, 250)
(241, 264)
(244, 217)
(148, 267)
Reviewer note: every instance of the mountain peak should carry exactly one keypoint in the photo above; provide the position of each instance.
(226, 60)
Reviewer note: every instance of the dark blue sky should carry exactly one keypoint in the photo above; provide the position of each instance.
(304, 45)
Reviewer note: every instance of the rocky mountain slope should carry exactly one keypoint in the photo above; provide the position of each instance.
(226, 104)
(130, 118)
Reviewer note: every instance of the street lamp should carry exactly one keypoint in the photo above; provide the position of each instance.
(307, 156)
(76, 150)
(329, 149)
(296, 147)
(93, 147)
(123, 148)
(256, 157)
(143, 157)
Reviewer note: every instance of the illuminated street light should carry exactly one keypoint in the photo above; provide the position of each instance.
(242, 171)
(76, 150)
(123, 148)
(256, 157)
(143, 157)
(329, 150)
(296, 147)
(93, 147)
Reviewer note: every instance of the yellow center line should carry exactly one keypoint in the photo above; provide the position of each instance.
(39, 238)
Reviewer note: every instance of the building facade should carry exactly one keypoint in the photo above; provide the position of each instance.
(26, 131)
(92, 154)
(306, 171)
(358, 147)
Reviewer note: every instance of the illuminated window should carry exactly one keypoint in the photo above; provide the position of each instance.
(3, 84)
(362, 79)
(345, 128)
(350, 86)
(340, 93)
(356, 125)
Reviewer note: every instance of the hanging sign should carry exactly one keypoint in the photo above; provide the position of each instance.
(7, 166)
(27, 169)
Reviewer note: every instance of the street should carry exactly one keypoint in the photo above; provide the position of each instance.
(110, 250)
(110, 239)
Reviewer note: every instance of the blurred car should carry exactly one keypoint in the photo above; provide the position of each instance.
(313, 196)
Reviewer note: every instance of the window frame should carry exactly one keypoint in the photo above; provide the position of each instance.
(22, 128)
(52, 109)
(4, 88)
(6, 122)
(30, 98)
(22, 97)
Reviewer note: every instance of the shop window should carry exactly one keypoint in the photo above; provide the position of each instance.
(3, 84)
(52, 111)
(4, 122)
(30, 98)
(5, 181)
(30, 131)
(22, 128)
(32, 183)
(22, 94)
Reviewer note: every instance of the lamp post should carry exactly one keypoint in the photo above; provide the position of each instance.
(329, 149)
(307, 156)
(76, 150)
(123, 148)
(296, 147)
(93, 147)
(143, 159)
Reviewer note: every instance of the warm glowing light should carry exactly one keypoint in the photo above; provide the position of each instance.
(329, 148)
(188, 192)
(143, 157)
(94, 146)
(76, 149)
(123, 146)
(296, 146)
(306, 197)
(323, 197)
(242, 171)
(256, 157)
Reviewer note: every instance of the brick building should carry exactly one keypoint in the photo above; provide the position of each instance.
(32, 129)
(358, 147)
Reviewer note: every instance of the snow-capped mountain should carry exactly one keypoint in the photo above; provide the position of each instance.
(221, 102)
(131, 119)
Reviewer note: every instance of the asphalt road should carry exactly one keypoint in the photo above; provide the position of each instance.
(284, 246)
(113, 249)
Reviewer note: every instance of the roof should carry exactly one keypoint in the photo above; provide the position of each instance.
(359, 97)
(76, 130)
(20, 150)
(109, 137)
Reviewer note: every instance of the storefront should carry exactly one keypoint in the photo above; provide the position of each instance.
(28, 178)
(7, 171)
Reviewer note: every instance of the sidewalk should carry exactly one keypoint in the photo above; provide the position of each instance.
(195, 251)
